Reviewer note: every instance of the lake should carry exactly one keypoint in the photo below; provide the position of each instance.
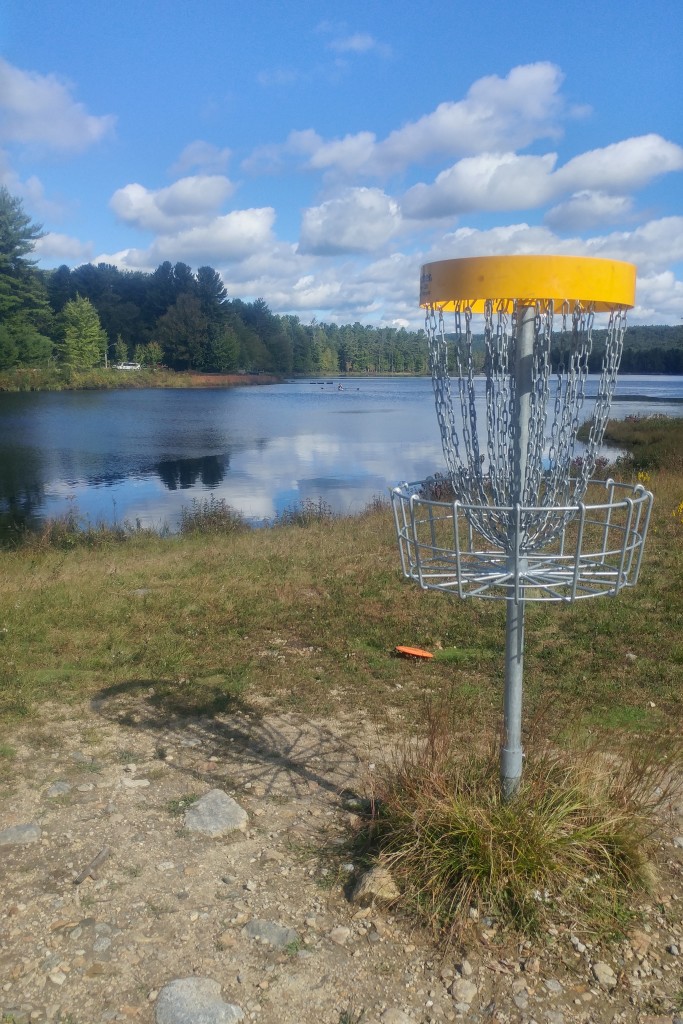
(142, 455)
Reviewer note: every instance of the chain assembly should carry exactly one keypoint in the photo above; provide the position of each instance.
(480, 461)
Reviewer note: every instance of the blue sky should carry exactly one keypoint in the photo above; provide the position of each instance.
(316, 153)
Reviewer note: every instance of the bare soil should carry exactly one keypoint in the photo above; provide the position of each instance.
(168, 903)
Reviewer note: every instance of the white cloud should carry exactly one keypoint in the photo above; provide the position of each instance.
(57, 248)
(586, 210)
(497, 114)
(659, 299)
(360, 220)
(653, 246)
(358, 42)
(39, 110)
(507, 181)
(187, 202)
(203, 157)
(231, 237)
(487, 182)
(622, 166)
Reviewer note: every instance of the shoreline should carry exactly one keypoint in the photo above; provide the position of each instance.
(34, 380)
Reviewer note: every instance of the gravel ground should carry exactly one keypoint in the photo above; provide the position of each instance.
(190, 917)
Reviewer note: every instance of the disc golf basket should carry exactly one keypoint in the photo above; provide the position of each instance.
(518, 517)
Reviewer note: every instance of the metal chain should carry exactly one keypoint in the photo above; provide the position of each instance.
(554, 418)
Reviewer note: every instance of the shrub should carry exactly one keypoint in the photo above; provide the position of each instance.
(210, 515)
(571, 846)
(304, 513)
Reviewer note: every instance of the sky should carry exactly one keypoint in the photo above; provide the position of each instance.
(317, 153)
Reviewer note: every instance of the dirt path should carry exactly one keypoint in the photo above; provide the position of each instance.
(170, 903)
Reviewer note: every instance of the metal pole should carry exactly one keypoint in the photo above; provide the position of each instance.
(511, 752)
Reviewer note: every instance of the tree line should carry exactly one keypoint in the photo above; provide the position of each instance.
(98, 315)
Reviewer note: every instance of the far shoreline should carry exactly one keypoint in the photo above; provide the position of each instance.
(33, 379)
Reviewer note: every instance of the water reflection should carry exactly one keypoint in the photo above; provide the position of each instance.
(22, 491)
(183, 474)
(118, 456)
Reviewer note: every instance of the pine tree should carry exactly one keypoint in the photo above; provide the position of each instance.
(24, 309)
(84, 341)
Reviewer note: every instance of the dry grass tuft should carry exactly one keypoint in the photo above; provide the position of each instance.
(572, 846)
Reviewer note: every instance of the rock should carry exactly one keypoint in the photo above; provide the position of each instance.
(340, 935)
(268, 931)
(215, 814)
(194, 1001)
(678, 842)
(19, 835)
(136, 783)
(58, 789)
(395, 1016)
(375, 886)
(463, 991)
(80, 758)
(554, 986)
(640, 942)
(604, 975)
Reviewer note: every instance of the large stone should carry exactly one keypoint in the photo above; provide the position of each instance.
(395, 1016)
(19, 835)
(215, 814)
(604, 975)
(194, 1001)
(58, 789)
(463, 991)
(268, 931)
(375, 886)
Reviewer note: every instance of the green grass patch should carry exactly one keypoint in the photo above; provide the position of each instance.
(464, 655)
(180, 805)
(653, 442)
(572, 846)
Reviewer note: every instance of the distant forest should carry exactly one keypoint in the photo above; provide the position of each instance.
(98, 315)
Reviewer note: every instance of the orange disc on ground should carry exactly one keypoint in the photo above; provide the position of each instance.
(414, 652)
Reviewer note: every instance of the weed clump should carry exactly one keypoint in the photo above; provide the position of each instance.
(210, 516)
(571, 846)
(304, 513)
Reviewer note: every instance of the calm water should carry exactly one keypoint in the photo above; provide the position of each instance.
(142, 455)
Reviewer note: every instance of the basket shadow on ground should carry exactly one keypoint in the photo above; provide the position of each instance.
(283, 755)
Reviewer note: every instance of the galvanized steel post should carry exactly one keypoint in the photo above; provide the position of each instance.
(523, 378)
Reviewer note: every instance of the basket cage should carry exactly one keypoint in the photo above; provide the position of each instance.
(595, 549)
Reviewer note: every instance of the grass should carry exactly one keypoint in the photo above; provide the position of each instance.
(178, 806)
(351, 1016)
(99, 379)
(306, 615)
(307, 618)
(653, 442)
(210, 516)
(571, 847)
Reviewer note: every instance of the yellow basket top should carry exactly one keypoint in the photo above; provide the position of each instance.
(605, 285)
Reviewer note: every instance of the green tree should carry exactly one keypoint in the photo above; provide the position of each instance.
(153, 354)
(183, 332)
(84, 342)
(120, 350)
(18, 234)
(223, 349)
(25, 314)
